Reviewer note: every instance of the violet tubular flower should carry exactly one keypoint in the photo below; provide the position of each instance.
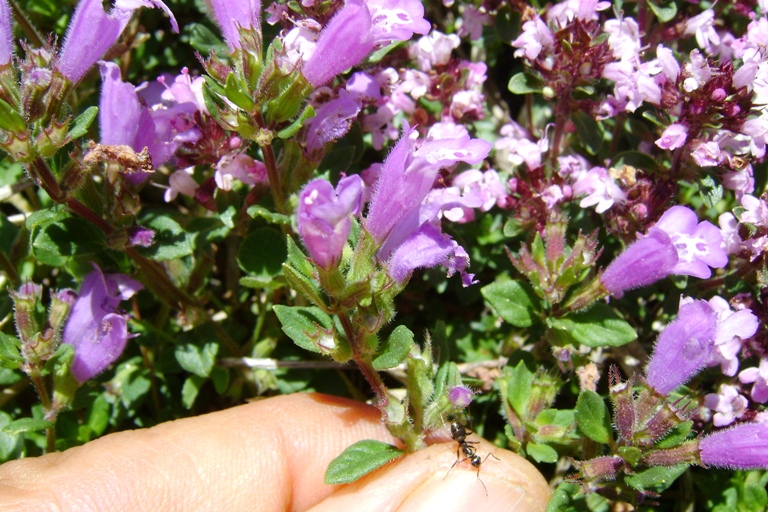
(684, 347)
(6, 34)
(232, 15)
(324, 217)
(744, 446)
(96, 329)
(677, 244)
(404, 225)
(92, 31)
(125, 119)
(357, 29)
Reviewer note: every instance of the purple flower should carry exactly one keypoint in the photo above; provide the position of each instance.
(673, 137)
(644, 262)
(698, 244)
(6, 33)
(92, 32)
(407, 176)
(344, 42)
(357, 29)
(677, 244)
(460, 396)
(125, 119)
(323, 217)
(231, 15)
(96, 329)
(332, 121)
(425, 248)
(744, 446)
(141, 236)
(684, 347)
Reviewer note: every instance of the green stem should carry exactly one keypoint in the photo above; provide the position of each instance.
(10, 270)
(366, 368)
(31, 32)
(272, 172)
(48, 412)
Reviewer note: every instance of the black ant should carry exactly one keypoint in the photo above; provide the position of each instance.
(459, 433)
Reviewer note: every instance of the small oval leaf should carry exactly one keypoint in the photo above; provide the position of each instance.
(360, 459)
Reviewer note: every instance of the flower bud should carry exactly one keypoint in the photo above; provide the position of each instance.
(26, 303)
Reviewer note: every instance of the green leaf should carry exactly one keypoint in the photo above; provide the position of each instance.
(270, 216)
(664, 12)
(9, 351)
(634, 159)
(519, 381)
(68, 237)
(304, 325)
(98, 417)
(234, 92)
(656, 479)
(590, 132)
(360, 459)
(711, 191)
(191, 389)
(82, 123)
(197, 358)
(171, 240)
(523, 83)
(8, 233)
(10, 120)
(262, 253)
(676, 435)
(290, 130)
(220, 379)
(542, 453)
(512, 301)
(599, 326)
(24, 425)
(562, 497)
(8, 442)
(395, 349)
(592, 417)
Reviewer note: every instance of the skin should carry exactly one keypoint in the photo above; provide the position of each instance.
(268, 455)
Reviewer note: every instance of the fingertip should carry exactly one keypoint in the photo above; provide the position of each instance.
(426, 480)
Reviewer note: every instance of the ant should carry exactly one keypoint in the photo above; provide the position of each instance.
(459, 433)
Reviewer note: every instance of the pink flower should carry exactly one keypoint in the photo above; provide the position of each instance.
(703, 25)
(759, 376)
(181, 182)
(601, 190)
(536, 37)
(728, 404)
(239, 167)
(673, 137)
(732, 328)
